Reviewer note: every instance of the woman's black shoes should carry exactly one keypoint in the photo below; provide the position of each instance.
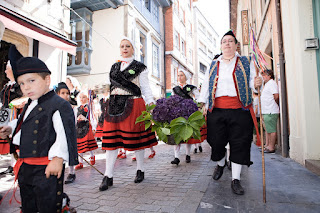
(175, 161)
(105, 183)
(140, 176)
(188, 159)
(200, 148)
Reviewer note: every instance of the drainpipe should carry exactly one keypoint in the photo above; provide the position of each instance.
(284, 107)
(164, 54)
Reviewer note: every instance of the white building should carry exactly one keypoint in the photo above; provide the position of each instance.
(141, 21)
(39, 29)
(206, 45)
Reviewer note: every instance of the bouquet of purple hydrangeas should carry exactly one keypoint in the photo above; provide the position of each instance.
(173, 116)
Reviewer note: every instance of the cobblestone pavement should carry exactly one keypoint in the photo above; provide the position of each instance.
(187, 187)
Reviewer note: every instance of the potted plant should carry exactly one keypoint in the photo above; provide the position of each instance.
(174, 119)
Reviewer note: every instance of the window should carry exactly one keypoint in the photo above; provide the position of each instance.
(190, 29)
(155, 61)
(203, 48)
(190, 56)
(142, 47)
(201, 27)
(176, 40)
(147, 4)
(214, 42)
(210, 54)
(81, 34)
(209, 36)
(155, 12)
(183, 47)
(203, 68)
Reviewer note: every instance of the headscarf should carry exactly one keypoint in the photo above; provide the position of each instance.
(186, 73)
(132, 44)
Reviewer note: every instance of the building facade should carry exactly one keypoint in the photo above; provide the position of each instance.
(179, 48)
(39, 29)
(139, 20)
(288, 31)
(206, 45)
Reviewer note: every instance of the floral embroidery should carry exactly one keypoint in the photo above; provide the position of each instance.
(132, 72)
(188, 89)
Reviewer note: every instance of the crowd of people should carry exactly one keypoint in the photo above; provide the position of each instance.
(54, 127)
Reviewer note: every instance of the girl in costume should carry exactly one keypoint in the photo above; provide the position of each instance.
(74, 87)
(86, 128)
(186, 91)
(129, 81)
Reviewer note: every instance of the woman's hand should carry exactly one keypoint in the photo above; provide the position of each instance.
(257, 81)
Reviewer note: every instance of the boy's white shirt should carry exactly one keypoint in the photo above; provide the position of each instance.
(60, 146)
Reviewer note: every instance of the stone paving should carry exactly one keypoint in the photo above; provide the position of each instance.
(187, 187)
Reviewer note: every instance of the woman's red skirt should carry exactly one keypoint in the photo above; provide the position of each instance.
(4, 147)
(99, 131)
(126, 134)
(87, 143)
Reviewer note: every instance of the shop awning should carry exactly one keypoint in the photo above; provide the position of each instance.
(32, 29)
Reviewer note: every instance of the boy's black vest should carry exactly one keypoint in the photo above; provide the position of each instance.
(37, 131)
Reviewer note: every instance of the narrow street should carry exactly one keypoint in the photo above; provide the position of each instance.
(188, 187)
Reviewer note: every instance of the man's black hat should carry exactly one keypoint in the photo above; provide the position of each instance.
(230, 32)
(14, 56)
(30, 65)
(61, 85)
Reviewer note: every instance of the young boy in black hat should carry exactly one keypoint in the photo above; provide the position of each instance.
(46, 136)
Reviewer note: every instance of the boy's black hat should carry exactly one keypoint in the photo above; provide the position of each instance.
(61, 85)
(14, 56)
(230, 32)
(30, 65)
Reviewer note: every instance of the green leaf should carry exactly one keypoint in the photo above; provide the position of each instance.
(178, 121)
(150, 107)
(165, 131)
(195, 116)
(175, 129)
(162, 137)
(147, 124)
(196, 134)
(186, 132)
(177, 139)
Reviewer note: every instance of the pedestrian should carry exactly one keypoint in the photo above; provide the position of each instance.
(10, 91)
(186, 91)
(74, 87)
(63, 91)
(46, 136)
(129, 81)
(270, 109)
(85, 126)
(227, 88)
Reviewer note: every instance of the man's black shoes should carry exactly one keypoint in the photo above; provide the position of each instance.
(236, 187)
(218, 172)
(140, 176)
(70, 178)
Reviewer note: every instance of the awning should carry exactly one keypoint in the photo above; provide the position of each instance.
(32, 29)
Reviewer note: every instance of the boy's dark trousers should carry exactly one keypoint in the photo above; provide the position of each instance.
(39, 194)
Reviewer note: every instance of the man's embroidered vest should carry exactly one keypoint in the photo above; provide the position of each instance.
(241, 77)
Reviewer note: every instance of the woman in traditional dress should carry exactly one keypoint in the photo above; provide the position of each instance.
(186, 91)
(129, 81)
(85, 126)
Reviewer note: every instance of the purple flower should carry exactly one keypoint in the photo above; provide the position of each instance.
(173, 107)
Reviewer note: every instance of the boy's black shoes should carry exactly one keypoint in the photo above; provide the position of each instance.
(70, 178)
(105, 183)
(236, 187)
(218, 172)
(140, 176)
(175, 161)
